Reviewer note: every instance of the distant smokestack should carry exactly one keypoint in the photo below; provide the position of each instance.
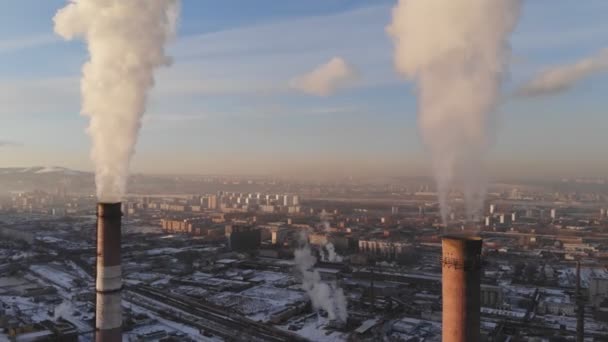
(461, 278)
(108, 316)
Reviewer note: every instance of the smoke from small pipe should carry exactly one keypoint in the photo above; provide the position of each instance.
(328, 297)
(332, 255)
(62, 310)
(126, 43)
(456, 51)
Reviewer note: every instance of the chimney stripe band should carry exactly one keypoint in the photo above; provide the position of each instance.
(109, 278)
(108, 311)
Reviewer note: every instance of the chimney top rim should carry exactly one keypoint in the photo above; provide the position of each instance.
(461, 237)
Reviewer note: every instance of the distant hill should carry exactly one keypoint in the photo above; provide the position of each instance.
(41, 170)
(47, 178)
(53, 179)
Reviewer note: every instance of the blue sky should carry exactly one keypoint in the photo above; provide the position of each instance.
(226, 106)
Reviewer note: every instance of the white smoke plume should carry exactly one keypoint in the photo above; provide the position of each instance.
(63, 310)
(457, 52)
(327, 78)
(328, 297)
(332, 255)
(564, 77)
(126, 42)
(324, 217)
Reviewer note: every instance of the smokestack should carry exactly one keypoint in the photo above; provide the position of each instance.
(461, 278)
(108, 316)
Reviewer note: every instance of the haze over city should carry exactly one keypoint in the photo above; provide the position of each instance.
(299, 171)
(231, 101)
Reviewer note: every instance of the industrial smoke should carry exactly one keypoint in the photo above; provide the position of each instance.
(457, 52)
(62, 310)
(328, 253)
(126, 43)
(328, 297)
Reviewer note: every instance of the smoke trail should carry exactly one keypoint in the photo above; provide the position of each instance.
(328, 297)
(126, 41)
(457, 52)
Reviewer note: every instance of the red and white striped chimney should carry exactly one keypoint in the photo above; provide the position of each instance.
(108, 316)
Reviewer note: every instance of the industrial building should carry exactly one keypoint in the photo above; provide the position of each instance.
(243, 237)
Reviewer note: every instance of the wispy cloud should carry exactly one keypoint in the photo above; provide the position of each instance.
(8, 143)
(261, 112)
(250, 62)
(26, 42)
(174, 117)
(581, 24)
(258, 59)
(39, 96)
(199, 82)
(326, 79)
(303, 36)
(563, 77)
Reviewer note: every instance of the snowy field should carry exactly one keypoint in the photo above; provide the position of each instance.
(54, 275)
(313, 328)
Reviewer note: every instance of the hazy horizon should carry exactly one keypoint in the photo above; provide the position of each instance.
(306, 88)
(303, 170)
(496, 173)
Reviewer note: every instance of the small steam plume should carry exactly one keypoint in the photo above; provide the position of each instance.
(564, 77)
(62, 310)
(331, 255)
(126, 43)
(456, 51)
(328, 297)
(324, 217)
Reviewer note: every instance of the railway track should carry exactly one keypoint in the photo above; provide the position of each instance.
(216, 320)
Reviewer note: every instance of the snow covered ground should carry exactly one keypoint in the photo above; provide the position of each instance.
(163, 324)
(54, 275)
(274, 278)
(15, 304)
(313, 328)
(259, 303)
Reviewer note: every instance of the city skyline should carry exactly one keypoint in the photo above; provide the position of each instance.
(234, 98)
